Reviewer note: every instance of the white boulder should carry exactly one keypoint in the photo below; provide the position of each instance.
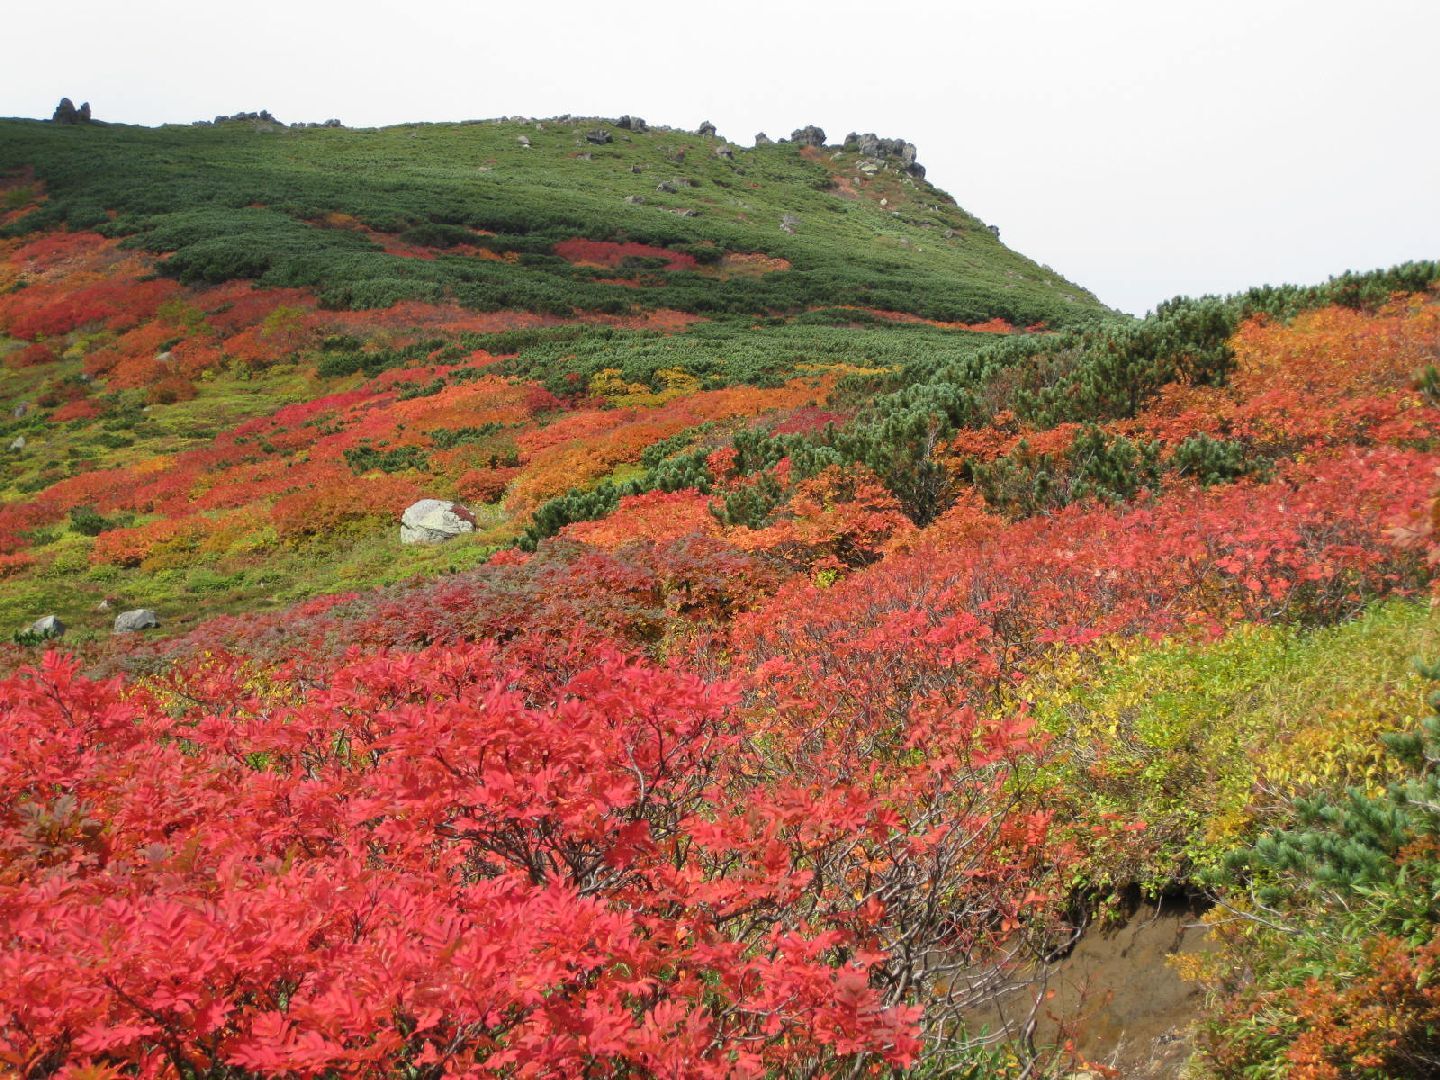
(432, 521)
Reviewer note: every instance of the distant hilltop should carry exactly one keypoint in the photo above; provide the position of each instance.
(867, 145)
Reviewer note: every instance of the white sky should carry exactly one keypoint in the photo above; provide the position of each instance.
(1143, 148)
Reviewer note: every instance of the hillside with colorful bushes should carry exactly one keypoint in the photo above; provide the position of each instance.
(854, 614)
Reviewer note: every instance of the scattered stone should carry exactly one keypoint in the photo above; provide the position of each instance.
(763, 140)
(433, 521)
(263, 116)
(869, 167)
(949, 234)
(706, 128)
(20, 410)
(788, 222)
(104, 605)
(129, 622)
(599, 137)
(17, 444)
(725, 152)
(810, 135)
(48, 627)
(669, 187)
(686, 212)
(67, 113)
(524, 140)
(587, 156)
(635, 200)
(637, 169)
(633, 123)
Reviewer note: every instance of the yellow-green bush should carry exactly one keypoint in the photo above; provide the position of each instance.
(1203, 741)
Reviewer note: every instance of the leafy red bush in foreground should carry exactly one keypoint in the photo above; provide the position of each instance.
(421, 860)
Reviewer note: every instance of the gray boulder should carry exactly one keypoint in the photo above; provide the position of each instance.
(17, 444)
(994, 230)
(599, 137)
(669, 187)
(725, 152)
(128, 622)
(524, 140)
(788, 222)
(762, 139)
(810, 135)
(20, 410)
(706, 128)
(433, 521)
(632, 123)
(48, 627)
(634, 200)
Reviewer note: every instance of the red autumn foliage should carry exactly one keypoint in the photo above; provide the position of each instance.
(30, 356)
(420, 858)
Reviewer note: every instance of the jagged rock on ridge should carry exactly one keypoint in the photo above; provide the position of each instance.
(632, 123)
(67, 113)
(433, 521)
(705, 128)
(761, 139)
(810, 135)
(129, 622)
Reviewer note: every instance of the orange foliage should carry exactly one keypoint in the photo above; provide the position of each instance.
(842, 517)
(656, 516)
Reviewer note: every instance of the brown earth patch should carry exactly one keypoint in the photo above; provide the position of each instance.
(1116, 998)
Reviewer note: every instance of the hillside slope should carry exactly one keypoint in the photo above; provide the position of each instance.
(302, 207)
(829, 653)
(306, 323)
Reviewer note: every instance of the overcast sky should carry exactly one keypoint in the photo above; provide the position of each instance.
(1142, 148)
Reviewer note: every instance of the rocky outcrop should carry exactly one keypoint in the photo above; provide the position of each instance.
(129, 622)
(600, 136)
(67, 113)
(632, 123)
(433, 521)
(761, 139)
(261, 117)
(874, 148)
(705, 128)
(810, 135)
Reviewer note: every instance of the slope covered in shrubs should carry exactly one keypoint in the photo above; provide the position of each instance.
(812, 678)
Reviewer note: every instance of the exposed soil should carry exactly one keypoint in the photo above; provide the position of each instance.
(1117, 999)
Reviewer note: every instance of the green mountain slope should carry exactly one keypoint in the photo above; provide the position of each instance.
(319, 208)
